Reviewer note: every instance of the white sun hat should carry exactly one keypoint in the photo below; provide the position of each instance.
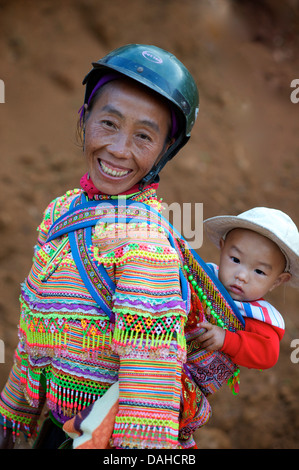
(271, 223)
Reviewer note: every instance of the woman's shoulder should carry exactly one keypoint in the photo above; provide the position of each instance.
(56, 208)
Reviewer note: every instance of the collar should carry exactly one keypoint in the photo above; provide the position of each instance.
(94, 193)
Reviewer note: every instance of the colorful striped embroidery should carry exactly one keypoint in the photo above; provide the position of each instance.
(68, 344)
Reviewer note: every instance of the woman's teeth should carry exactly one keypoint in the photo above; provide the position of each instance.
(109, 171)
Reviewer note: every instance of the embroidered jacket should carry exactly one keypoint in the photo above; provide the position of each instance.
(69, 352)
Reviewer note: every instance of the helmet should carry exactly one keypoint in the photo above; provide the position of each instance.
(163, 73)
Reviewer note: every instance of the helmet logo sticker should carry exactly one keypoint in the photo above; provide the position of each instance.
(152, 57)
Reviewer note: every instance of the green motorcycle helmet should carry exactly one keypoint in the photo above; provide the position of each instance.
(164, 74)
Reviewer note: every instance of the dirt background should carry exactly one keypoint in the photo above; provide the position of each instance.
(244, 150)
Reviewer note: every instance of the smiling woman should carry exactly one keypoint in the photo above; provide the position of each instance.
(98, 308)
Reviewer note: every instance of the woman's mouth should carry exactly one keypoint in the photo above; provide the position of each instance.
(112, 171)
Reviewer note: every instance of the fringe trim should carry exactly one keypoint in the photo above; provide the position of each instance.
(165, 345)
(156, 336)
(67, 396)
(17, 423)
(67, 401)
(144, 436)
(44, 335)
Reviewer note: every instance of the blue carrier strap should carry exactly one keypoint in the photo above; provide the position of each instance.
(78, 216)
(95, 284)
(78, 228)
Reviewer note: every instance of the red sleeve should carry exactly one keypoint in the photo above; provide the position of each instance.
(255, 347)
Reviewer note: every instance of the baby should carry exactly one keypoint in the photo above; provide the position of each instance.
(259, 250)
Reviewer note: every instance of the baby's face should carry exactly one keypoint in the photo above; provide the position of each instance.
(250, 265)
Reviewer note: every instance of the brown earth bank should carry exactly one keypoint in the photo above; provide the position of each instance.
(244, 150)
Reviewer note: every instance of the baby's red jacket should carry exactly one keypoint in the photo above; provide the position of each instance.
(255, 347)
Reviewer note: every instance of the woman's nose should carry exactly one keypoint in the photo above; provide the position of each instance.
(120, 145)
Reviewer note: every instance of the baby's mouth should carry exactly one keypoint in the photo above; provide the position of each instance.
(110, 170)
(236, 289)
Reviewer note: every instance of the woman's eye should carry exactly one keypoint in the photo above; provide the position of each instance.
(108, 123)
(144, 137)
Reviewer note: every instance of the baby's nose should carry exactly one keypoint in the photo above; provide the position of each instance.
(242, 275)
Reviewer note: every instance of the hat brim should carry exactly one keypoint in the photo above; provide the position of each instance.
(218, 227)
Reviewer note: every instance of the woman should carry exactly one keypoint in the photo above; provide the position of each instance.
(103, 300)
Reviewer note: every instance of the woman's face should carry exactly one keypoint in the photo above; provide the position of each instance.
(125, 134)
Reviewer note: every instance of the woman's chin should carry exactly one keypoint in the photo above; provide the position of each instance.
(112, 185)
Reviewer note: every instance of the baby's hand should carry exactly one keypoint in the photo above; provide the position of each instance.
(213, 338)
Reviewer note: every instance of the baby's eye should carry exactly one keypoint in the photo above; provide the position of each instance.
(235, 259)
(260, 272)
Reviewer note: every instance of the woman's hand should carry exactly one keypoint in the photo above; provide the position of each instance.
(6, 441)
(213, 338)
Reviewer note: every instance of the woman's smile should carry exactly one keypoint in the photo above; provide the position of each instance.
(112, 171)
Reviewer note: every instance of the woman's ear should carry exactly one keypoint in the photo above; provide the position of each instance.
(168, 143)
(85, 116)
(281, 279)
